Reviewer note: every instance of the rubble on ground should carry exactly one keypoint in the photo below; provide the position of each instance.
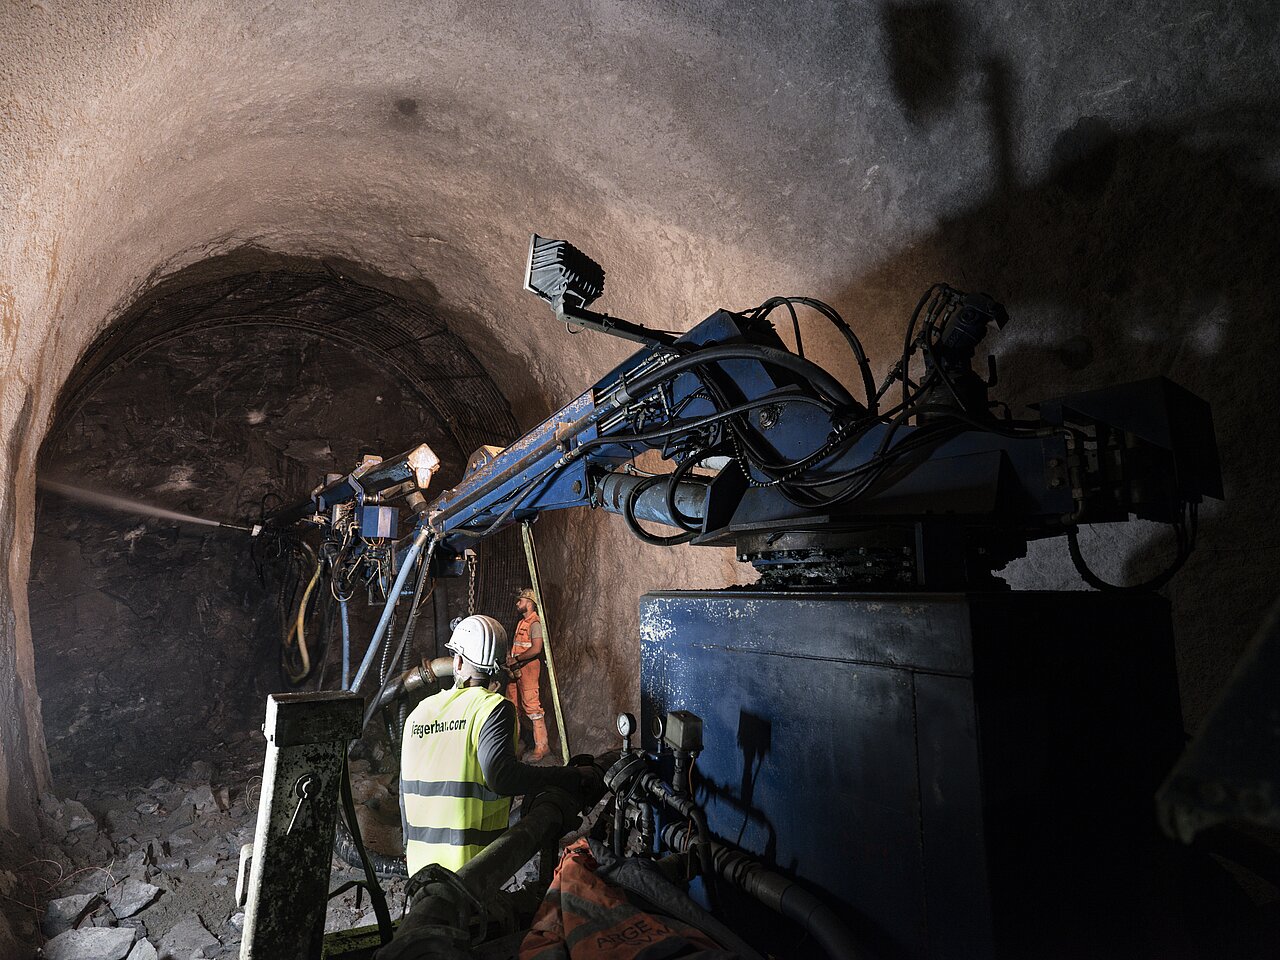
(152, 875)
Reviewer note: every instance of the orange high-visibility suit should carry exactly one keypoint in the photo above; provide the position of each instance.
(525, 693)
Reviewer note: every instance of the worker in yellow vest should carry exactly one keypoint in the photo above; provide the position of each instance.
(458, 767)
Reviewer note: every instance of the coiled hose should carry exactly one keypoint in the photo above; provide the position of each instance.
(344, 845)
(629, 514)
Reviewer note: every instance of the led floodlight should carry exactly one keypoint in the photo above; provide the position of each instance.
(559, 271)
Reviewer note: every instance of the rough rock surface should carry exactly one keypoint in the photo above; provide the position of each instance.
(129, 896)
(61, 915)
(165, 881)
(94, 943)
(186, 939)
(158, 642)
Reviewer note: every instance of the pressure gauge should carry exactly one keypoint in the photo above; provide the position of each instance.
(626, 725)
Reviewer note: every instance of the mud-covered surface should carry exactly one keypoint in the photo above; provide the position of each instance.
(160, 861)
(157, 642)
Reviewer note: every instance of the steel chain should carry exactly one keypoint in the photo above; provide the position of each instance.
(471, 584)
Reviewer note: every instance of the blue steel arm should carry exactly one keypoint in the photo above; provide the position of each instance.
(553, 466)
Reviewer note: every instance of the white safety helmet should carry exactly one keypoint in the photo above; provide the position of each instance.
(481, 641)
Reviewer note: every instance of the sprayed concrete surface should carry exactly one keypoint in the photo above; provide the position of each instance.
(1110, 173)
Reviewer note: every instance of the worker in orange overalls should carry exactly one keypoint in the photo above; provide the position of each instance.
(525, 663)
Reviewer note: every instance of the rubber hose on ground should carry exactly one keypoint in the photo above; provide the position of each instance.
(345, 847)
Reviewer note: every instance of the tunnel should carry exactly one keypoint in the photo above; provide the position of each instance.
(243, 249)
(253, 347)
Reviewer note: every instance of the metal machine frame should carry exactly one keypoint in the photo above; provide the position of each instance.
(876, 522)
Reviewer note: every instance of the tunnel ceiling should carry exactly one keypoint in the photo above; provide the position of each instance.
(410, 342)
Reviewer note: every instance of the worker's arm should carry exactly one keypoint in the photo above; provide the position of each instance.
(507, 775)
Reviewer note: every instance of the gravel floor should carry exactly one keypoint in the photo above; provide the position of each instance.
(156, 868)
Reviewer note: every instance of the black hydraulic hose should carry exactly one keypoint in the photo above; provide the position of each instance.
(685, 807)
(904, 363)
(619, 821)
(1185, 548)
(1020, 430)
(697, 423)
(769, 356)
(829, 312)
(322, 647)
(377, 898)
(402, 717)
(406, 642)
(344, 846)
(376, 702)
(673, 487)
(777, 893)
(820, 921)
(407, 655)
(629, 515)
(706, 857)
(384, 663)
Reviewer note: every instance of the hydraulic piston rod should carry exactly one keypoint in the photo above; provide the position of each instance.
(650, 503)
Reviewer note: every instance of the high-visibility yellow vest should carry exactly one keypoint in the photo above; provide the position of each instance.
(450, 814)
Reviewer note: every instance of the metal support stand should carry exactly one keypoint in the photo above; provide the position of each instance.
(531, 555)
(346, 645)
(287, 891)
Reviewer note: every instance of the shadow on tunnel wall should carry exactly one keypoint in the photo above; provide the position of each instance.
(1141, 251)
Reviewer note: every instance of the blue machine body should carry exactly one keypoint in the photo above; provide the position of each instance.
(951, 772)
(1017, 486)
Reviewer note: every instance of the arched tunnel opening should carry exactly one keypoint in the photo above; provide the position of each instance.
(224, 392)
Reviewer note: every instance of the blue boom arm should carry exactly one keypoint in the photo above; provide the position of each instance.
(914, 484)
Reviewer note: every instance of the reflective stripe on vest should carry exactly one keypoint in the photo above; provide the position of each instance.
(449, 811)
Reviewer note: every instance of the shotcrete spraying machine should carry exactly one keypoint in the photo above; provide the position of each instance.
(878, 738)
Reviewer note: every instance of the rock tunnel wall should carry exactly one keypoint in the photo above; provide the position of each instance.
(1109, 173)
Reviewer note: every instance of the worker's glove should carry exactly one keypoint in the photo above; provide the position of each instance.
(591, 788)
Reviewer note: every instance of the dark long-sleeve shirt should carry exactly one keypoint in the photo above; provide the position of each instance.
(503, 772)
